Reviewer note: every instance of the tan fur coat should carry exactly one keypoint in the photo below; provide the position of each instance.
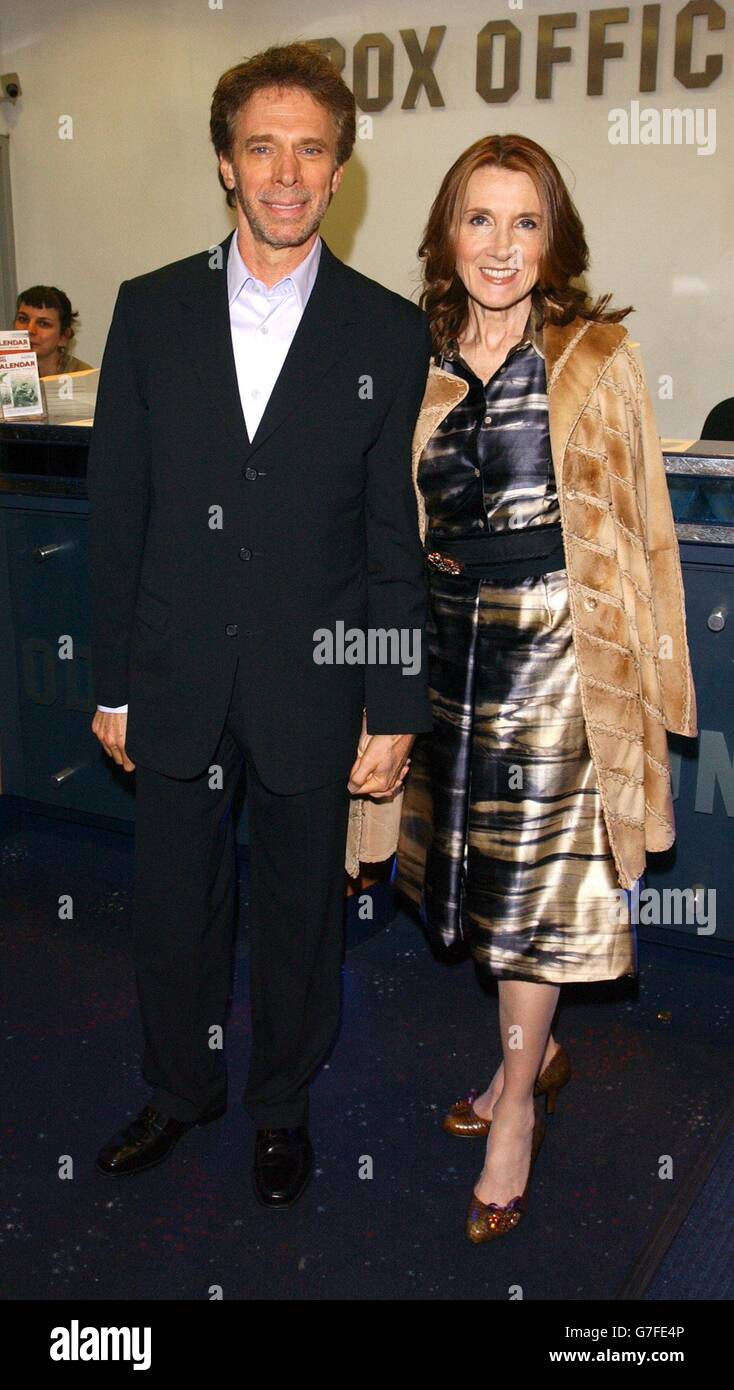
(625, 587)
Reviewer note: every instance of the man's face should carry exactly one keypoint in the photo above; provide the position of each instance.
(283, 165)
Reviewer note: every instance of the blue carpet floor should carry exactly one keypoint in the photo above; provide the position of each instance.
(651, 1068)
(699, 1263)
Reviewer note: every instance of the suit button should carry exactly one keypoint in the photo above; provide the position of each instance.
(245, 554)
(250, 474)
(231, 629)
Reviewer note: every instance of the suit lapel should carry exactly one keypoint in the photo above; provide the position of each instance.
(319, 341)
(208, 342)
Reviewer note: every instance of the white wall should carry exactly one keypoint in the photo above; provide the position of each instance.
(137, 185)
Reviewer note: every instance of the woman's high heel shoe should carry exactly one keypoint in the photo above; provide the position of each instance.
(555, 1076)
(463, 1121)
(489, 1220)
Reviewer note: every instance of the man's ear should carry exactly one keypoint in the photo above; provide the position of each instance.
(225, 168)
(337, 177)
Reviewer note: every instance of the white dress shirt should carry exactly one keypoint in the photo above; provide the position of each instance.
(263, 324)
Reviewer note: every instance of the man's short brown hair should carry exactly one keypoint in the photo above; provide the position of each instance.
(302, 65)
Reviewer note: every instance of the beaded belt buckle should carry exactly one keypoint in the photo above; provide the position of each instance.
(444, 562)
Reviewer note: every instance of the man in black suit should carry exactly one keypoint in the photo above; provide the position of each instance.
(250, 486)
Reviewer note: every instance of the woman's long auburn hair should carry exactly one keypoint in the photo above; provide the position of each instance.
(564, 257)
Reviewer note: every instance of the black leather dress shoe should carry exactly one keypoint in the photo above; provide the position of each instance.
(147, 1140)
(283, 1165)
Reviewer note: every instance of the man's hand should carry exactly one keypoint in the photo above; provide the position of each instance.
(110, 730)
(381, 764)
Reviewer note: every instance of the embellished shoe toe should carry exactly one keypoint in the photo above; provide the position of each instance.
(489, 1220)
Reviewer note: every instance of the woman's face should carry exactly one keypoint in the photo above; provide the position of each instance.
(500, 237)
(43, 327)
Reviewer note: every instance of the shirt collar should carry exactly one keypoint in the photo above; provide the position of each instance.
(301, 280)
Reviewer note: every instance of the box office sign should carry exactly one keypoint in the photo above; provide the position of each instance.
(500, 44)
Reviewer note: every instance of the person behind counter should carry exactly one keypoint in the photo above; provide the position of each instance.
(46, 315)
(719, 423)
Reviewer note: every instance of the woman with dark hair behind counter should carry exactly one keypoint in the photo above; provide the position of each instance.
(46, 315)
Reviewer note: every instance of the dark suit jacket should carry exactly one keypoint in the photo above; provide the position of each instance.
(207, 546)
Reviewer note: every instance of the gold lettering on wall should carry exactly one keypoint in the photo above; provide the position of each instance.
(548, 54)
(334, 50)
(375, 54)
(599, 48)
(503, 28)
(385, 71)
(422, 61)
(706, 9)
(649, 48)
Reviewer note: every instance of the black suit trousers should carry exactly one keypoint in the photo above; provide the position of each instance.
(183, 920)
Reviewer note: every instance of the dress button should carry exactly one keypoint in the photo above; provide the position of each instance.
(250, 474)
(231, 629)
(477, 472)
(488, 419)
(264, 329)
(590, 603)
(245, 554)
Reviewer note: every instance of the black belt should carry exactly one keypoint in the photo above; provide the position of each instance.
(516, 554)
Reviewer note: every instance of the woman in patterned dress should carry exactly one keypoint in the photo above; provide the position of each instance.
(504, 836)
